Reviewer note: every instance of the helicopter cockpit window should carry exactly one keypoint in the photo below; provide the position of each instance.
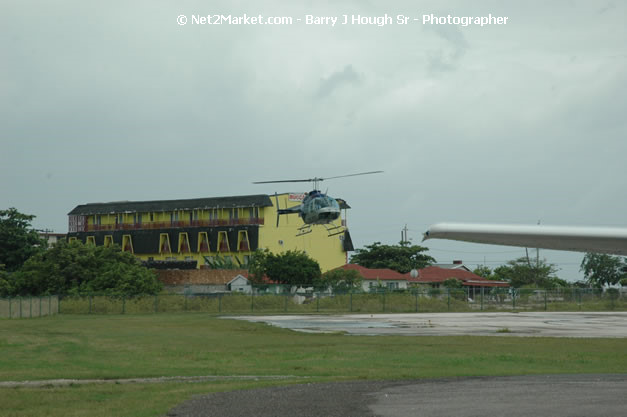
(330, 202)
(323, 202)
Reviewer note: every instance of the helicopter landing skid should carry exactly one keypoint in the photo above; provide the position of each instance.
(303, 230)
(335, 230)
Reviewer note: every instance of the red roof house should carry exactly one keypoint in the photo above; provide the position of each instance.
(435, 275)
(373, 277)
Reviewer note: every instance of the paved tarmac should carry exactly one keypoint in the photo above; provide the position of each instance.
(553, 395)
(549, 324)
(517, 396)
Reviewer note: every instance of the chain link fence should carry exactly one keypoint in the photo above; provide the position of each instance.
(287, 301)
(29, 307)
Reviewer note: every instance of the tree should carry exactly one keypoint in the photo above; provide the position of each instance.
(18, 241)
(6, 288)
(222, 263)
(483, 271)
(76, 268)
(339, 280)
(401, 258)
(521, 273)
(453, 283)
(601, 269)
(257, 266)
(291, 267)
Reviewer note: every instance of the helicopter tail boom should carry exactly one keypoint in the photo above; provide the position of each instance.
(280, 211)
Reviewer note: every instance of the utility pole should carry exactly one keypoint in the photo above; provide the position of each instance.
(537, 255)
(404, 234)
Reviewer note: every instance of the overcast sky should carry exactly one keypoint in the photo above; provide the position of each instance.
(510, 123)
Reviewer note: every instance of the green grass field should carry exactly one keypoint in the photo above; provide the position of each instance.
(194, 344)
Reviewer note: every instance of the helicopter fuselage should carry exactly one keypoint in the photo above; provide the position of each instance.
(319, 208)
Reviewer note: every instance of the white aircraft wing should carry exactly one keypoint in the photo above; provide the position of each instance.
(610, 240)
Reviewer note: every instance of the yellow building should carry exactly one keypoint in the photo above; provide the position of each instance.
(205, 229)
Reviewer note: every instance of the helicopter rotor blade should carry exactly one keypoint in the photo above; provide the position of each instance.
(319, 179)
(351, 175)
(271, 182)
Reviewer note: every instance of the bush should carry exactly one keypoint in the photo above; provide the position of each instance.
(76, 268)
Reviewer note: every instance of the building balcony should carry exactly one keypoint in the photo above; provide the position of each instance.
(175, 224)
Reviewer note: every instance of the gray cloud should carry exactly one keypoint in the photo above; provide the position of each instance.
(448, 57)
(337, 80)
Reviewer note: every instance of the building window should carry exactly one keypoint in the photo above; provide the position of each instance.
(223, 242)
(203, 242)
(164, 243)
(127, 243)
(183, 243)
(152, 217)
(242, 241)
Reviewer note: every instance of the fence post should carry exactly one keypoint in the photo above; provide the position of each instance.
(285, 307)
(318, 303)
(30, 314)
(351, 301)
(416, 295)
(20, 306)
(10, 313)
(39, 306)
(156, 303)
(384, 292)
(89, 303)
(49, 305)
(482, 288)
(123, 305)
(252, 302)
(513, 298)
(448, 299)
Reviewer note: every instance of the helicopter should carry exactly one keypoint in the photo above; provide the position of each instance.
(317, 208)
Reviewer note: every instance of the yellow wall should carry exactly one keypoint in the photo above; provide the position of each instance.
(328, 251)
